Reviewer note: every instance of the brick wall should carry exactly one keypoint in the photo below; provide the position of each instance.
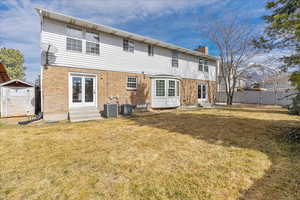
(189, 91)
(110, 84)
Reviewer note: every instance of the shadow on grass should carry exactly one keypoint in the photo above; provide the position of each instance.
(281, 181)
(256, 110)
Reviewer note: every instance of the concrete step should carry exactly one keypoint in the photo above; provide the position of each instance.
(88, 113)
(85, 119)
(84, 114)
(205, 105)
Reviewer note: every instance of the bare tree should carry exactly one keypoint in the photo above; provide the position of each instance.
(233, 40)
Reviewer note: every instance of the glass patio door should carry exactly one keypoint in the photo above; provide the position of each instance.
(202, 92)
(83, 91)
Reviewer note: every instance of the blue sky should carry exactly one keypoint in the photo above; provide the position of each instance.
(175, 21)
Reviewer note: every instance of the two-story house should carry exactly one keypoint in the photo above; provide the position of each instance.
(89, 65)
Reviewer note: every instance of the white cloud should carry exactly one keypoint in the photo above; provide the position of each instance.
(20, 23)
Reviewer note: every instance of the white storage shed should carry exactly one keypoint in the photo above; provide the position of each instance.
(17, 98)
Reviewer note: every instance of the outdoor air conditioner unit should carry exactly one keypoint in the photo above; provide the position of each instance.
(110, 110)
(126, 109)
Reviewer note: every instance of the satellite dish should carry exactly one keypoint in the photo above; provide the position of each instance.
(49, 48)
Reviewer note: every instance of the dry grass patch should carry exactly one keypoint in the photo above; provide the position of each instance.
(206, 154)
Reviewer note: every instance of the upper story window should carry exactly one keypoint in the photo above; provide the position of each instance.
(203, 65)
(74, 42)
(206, 66)
(92, 43)
(150, 50)
(128, 45)
(74, 45)
(174, 59)
(132, 82)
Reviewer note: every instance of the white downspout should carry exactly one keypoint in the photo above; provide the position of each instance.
(42, 67)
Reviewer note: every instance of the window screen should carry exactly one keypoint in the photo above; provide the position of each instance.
(171, 90)
(132, 82)
(74, 45)
(160, 88)
(128, 45)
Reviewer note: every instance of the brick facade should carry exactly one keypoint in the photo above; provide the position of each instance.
(109, 84)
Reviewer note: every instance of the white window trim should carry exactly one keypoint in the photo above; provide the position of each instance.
(172, 88)
(201, 63)
(206, 91)
(82, 74)
(165, 87)
(73, 51)
(136, 83)
(75, 38)
(92, 54)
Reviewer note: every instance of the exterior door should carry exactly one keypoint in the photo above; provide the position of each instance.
(202, 92)
(82, 91)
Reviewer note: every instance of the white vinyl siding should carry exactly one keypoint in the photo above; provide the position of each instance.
(113, 58)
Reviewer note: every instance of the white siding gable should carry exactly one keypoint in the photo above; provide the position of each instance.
(112, 57)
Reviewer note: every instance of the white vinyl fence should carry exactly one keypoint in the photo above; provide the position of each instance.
(259, 97)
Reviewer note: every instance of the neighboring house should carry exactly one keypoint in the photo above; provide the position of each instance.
(3, 74)
(240, 84)
(279, 82)
(93, 65)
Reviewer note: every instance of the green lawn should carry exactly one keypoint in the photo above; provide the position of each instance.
(224, 153)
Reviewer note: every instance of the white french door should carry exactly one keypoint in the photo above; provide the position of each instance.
(202, 92)
(83, 91)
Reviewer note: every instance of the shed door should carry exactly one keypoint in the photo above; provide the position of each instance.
(17, 101)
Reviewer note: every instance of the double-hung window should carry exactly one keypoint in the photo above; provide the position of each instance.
(92, 43)
(174, 59)
(160, 88)
(171, 89)
(128, 45)
(132, 82)
(203, 65)
(150, 50)
(206, 66)
(74, 39)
